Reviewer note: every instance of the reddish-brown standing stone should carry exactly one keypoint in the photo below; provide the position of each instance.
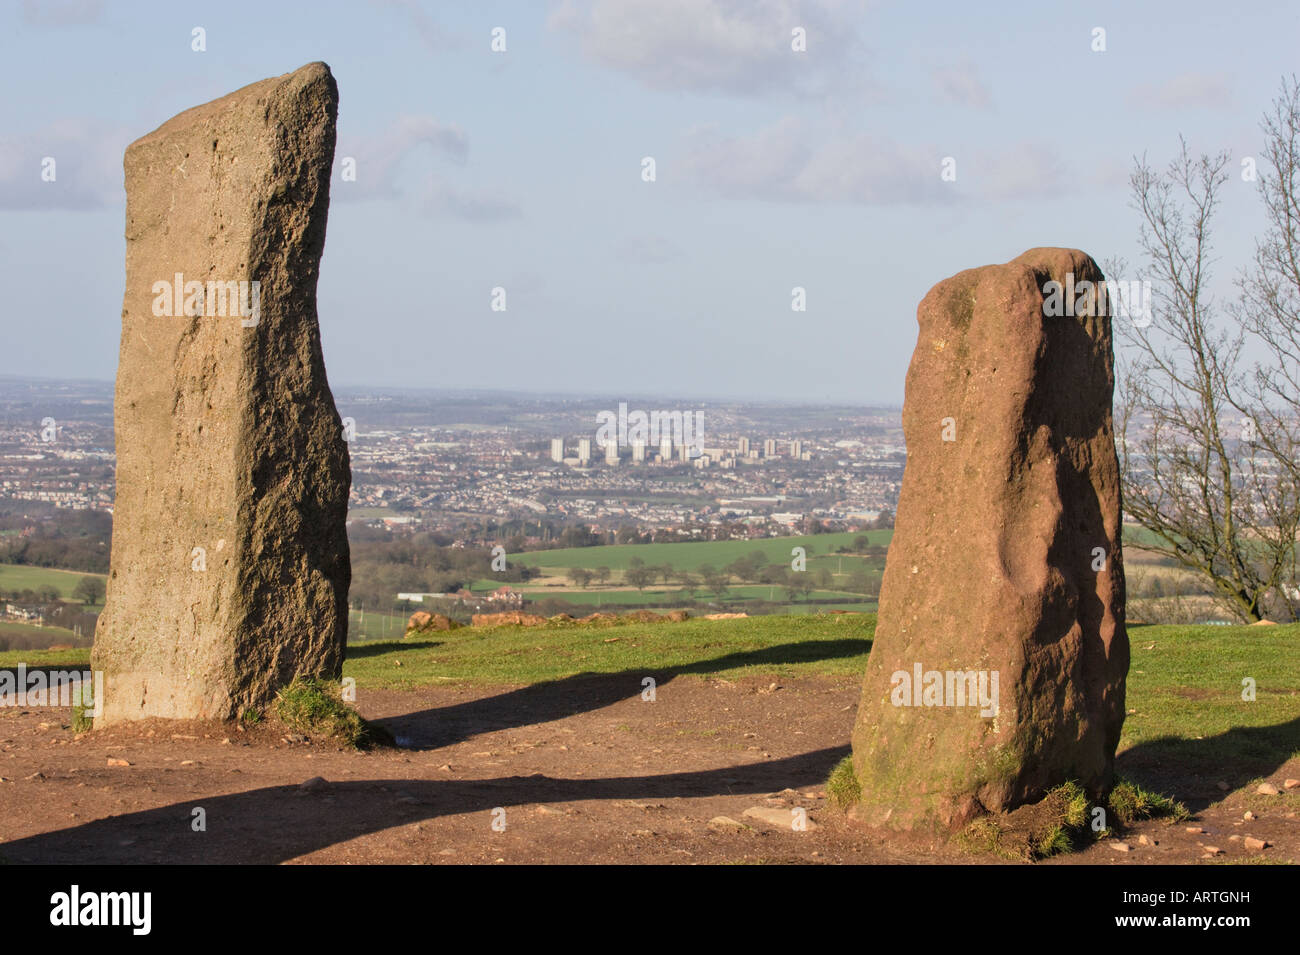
(1005, 557)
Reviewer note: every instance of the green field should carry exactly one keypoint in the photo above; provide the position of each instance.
(512, 655)
(55, 634)
(1186, 683)
(376, 626)
(692, 556)
(656, 596)
(23, 577)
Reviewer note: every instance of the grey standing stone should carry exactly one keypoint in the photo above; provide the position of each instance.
(230, 565)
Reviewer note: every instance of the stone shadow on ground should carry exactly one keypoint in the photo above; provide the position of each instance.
(1190, 769)
(375, 648)
(279, 823)
(583, 692)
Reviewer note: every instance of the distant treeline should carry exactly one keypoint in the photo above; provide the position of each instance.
(385, 564)
(60, 538)
(521, 535)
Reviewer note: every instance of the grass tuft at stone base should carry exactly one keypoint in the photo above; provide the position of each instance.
(843, 788)
(1062, 821)
(1129, 803)
(1058, 823)
(316, 708)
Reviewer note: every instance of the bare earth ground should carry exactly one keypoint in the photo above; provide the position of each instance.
(586, 773)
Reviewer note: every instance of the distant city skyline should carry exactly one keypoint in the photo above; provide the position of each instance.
(776, 169)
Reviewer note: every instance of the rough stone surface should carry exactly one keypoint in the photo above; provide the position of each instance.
(991, 567)
(230, 565)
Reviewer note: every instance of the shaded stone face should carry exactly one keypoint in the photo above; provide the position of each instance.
(230, 565)
(998, 666)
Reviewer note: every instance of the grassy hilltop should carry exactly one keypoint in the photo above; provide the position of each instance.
(1184, 684)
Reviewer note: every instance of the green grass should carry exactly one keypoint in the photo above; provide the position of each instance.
(23, 577)
(1053, 842)
(316, 708)
(781, 645)
(55, 634)
(76, 658)
(1057, 824)
(1184, 684)
(377, 625)
(1129, 803)
(691, 556)
(843, 788)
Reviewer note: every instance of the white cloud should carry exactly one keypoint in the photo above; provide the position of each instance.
(789, 162)
(382, 171)
(87, 167)
(379, 159)
(732, 46)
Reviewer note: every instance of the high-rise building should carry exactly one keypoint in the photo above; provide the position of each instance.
(638, 451)
(666, 450)
(584, 450)
(769, 448)
(796, 450)
(557, 449)
(686, 453)
(742, 447)
(611, 453)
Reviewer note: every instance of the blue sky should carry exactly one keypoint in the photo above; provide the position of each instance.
(522, 169)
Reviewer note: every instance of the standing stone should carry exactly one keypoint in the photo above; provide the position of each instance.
(230, 565)
(1005, 558)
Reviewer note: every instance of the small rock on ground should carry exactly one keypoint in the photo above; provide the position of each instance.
(725, 823)
(782, 818)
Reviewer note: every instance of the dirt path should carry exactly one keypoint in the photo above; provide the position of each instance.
(591, 773)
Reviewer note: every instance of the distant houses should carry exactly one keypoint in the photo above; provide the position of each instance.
(504, 597)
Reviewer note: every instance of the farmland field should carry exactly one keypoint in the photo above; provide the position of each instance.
(692, 556)
(24, 577)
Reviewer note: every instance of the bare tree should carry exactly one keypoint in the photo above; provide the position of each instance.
(1182, 479)
(1208, 464)
(1269, 308)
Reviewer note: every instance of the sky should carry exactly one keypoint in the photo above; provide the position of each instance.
(524, 168)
